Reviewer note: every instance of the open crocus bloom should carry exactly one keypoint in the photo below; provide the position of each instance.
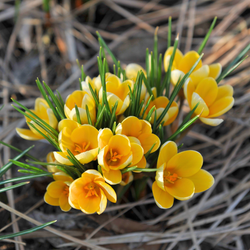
(213, 100)
(95, 83)
(140, 129)
(183, 63)
(58, 191)
(81, 140)
(89, 193)
(43, 111)
(179, 175)
(81, 99)
(117, 152)
(117, 91)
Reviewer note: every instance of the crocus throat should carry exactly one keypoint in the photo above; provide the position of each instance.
(80, 148)
(66, 190)
(113, 157)
(91, 190)
(170, 177)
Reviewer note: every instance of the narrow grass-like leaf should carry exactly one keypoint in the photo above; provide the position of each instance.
(76, 163)
(59, 97)
(23, 171)
(71, 171)
(34, 116)
(102, 43)
(182, 128)
(23, 165)
(148, 86)
(166, 81)
(18, 150)
(169, 31)
(146, 106)
(24, 178)
(176, 91)
(149, 151)
(77, 114)
(13, 186)
(99, 116)
(148, 117)
(147, 169)
(207, 36)
(125, 170)
(8, 165)
(7, 236)
(88, 115)
(222, 76)
(47, 137)
(94, 95)
(114, 127)
(113, 116)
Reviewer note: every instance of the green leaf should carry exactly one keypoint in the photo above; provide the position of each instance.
(129, 169)
(7, 236)
(18, 150)
(149, 151)
(169, 31)
(7, 166)
(76, 163)
(24, 178)
(223, 75)
(23, 165)
(13, 186)
(88, 115)
(78, 114)
(207, 36)
(94, 95)
(175, 92)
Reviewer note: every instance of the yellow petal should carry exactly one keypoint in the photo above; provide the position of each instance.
(126, 178)
(71, 125)
(112, 99)
(137, 152)
(148, 140)
(202, 180)
(104, 136)
(215, 70)
(108, 191)
(168, 150)
(221, 106)
(87, 156)
(141, 164)
(189, 88)
(182, 189)
(186, 163)
(224, 91)
(61, 176)
(62, 158)
(200, 74)
(211, 122)
(130, 126)
(202, 108)
(85, 134)
(159, 176)
(176, 76)
(52, 119)
(63, 203)
(172, 114)
(187, 62)
(177, 57)
(120, 144)
(207, 89)
(162, 198)
(28, 134)
(103, 203)
(132, 70)
(112, 177)
(56, 188)
(124, 106)
(90, 204)
(51, 201)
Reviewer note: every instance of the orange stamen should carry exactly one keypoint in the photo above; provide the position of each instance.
(170, 178)
(91, 190)
(81, 148)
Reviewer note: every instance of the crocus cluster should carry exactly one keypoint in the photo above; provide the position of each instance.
(114, 127)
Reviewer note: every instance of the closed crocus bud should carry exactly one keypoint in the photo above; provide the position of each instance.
(117, 91)
(95, 83)
(82, 99)
(43, 111)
